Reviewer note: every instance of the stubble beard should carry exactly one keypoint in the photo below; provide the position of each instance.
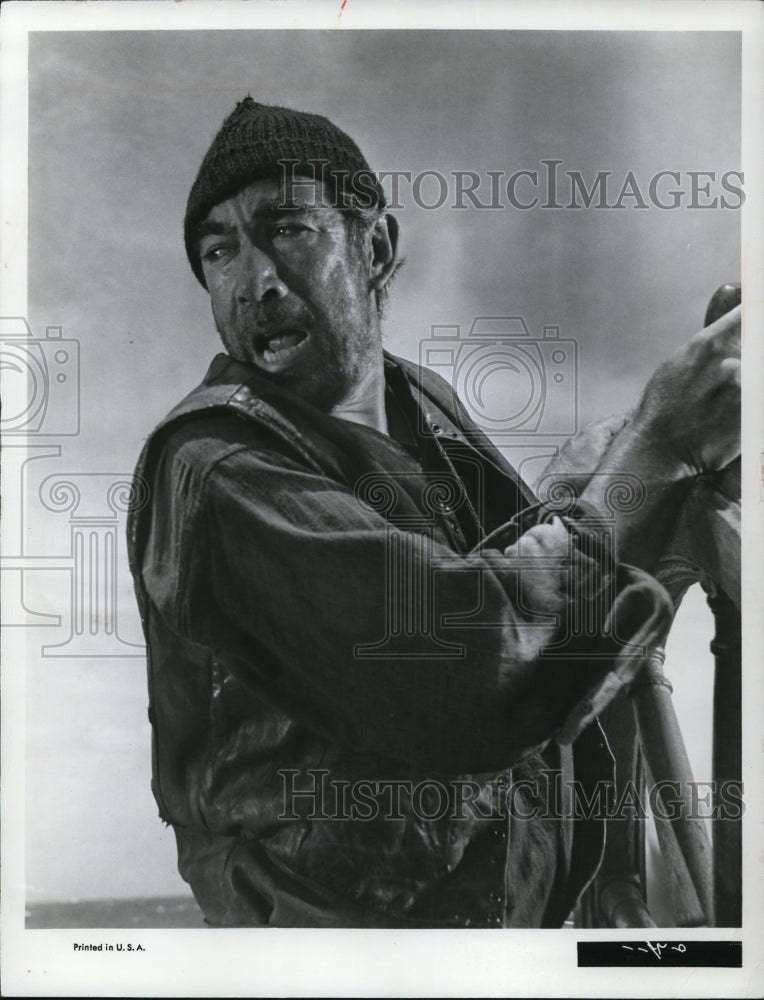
(342, 351)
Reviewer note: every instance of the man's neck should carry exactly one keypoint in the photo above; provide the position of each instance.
(366, 403)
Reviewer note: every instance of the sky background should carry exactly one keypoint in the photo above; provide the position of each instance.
(118, 124)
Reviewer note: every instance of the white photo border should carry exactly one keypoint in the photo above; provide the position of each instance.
(209, 962)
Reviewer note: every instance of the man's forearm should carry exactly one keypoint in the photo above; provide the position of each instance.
(641, 533)
(687, 423)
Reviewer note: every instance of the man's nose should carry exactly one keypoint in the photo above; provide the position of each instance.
(257, 277)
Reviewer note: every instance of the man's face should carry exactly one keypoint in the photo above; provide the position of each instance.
(290, 290)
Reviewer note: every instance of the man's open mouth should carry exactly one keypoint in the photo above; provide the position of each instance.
(276, 349)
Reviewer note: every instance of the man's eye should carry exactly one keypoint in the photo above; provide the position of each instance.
(215, 253)
(288, 229)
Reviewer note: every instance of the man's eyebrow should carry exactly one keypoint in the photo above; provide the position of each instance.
(267, 210)
(292, 203)
(210, 227)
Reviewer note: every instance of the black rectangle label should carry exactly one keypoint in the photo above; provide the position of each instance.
(716, 954)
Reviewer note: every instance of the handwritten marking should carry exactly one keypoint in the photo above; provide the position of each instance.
(657, 947)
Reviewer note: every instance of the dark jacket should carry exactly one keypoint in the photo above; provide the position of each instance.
(346, 631)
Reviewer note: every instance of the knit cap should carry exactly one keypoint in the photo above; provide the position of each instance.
(258, 141)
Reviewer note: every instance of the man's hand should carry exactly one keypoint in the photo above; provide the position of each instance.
(690, 410)
(687, 423)
(582, 454)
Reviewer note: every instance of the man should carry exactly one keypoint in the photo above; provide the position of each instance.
(366, 655)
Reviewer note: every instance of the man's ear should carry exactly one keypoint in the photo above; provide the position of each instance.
(384, 251)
